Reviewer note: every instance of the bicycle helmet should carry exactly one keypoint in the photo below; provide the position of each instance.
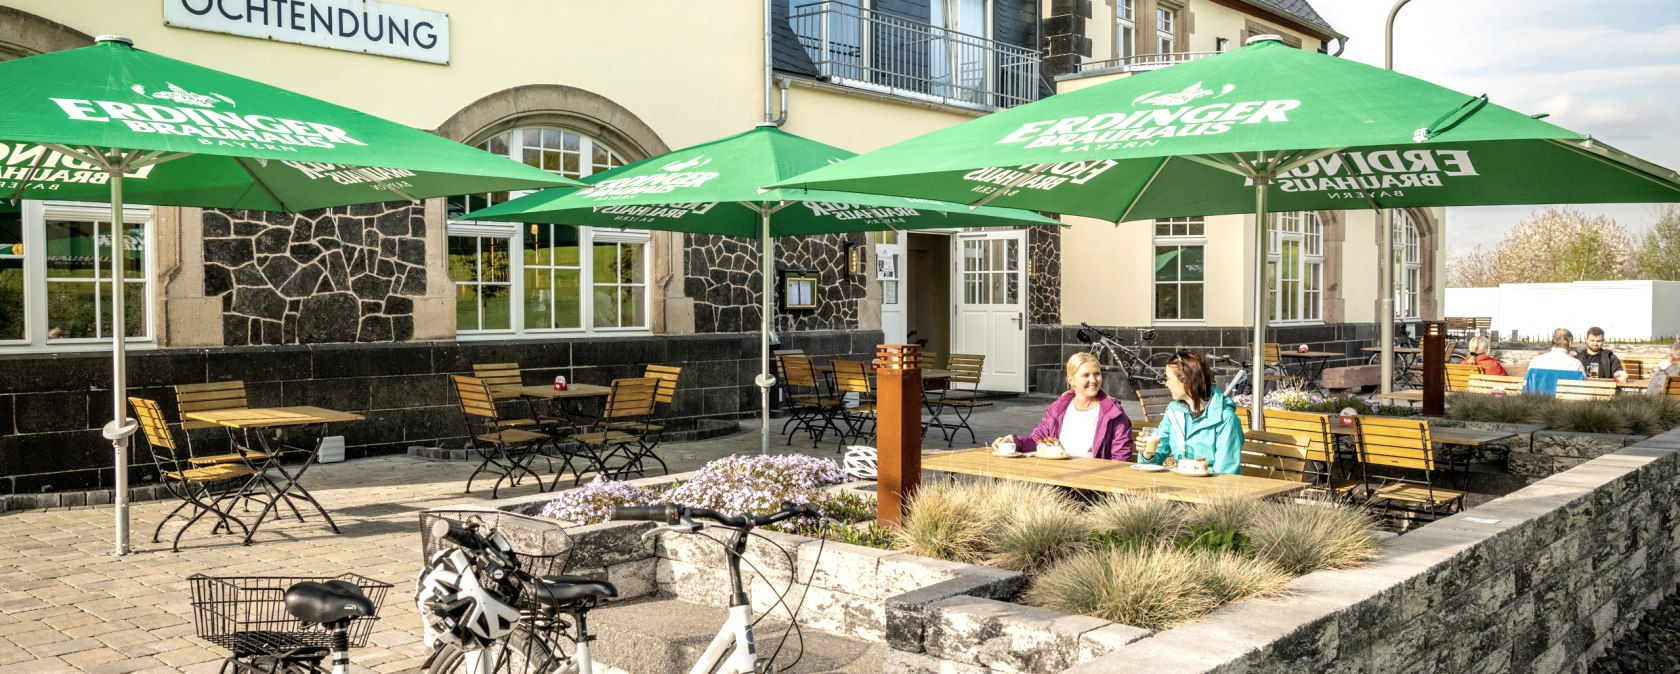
(457, 609)
(860, 462)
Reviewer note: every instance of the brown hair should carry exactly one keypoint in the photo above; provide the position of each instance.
(1194, 371)
(1562, 338)
(1595, 331)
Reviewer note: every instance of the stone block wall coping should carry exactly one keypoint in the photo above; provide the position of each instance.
(1327, 611)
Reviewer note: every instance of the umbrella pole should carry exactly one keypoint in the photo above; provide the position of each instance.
(120, 427)
(1385, 294)
(765, 381)
(1257, 381)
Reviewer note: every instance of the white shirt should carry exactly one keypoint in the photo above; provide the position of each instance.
(1079, 430)
(1556, 359)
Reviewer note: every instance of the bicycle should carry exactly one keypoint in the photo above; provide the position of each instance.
(1403, 362)
(536, 640)
(1139, 373)
(286, 625)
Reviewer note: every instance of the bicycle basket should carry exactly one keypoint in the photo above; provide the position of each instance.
(247, 614)
(541, 545)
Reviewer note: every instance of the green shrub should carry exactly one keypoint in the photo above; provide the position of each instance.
(947, 521)
(866, 534)
(1146, 587)
(1506, 409)
(1300, 538)
(1143, 522)
(1034, 534)
(1582, 416)
(1397, 411)
(1226, 512)
(1225, 578)
(1337, 404)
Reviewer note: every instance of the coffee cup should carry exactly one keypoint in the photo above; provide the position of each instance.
(1006, 447)
(1621, 377)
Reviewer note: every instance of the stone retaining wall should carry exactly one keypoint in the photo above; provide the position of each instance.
(1543, 579)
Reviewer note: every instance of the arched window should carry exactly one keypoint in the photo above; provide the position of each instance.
(539, 279)
(1295, 267)
(1408, 267)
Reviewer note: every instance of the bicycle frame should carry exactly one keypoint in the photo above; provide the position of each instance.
(1146, 372)
(736, 629)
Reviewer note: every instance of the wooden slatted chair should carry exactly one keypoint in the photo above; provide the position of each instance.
(202, 487)
(221, 395)
(1274, 364)
(1323, 459)
(960, 397)
(502, 449)
(1458, 376)
(810, 409)
(1400, 466)
(500, 377)
(1671, 388)
(1635, 369)
(1586, 389)
(1154, 401)
(851, 377)
(631, 400)
(1487, 383)
(1277, 456)
(651, 430)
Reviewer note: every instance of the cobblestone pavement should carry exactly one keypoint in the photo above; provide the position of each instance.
(68, 605)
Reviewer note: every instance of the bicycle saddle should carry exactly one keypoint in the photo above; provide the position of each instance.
(561, 590)
(329, 602)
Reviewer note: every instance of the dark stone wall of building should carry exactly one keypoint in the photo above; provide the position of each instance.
(318, 277)
(1049, 346)
(1065, 40)
(723, 279)
(51, 407)
(1044, 283)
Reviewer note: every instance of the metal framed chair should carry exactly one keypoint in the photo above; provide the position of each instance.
(810, 409)
(1458, 376)
(960, 397)
(221, 395)
(1488, 384)
(1277, 456)
(1154, 402)
(503, 450)
(651, 430)
(852, 377)
(1586, 389)
(630, 401)
(204, 488)
(1323, 459)
(1400, 467)
(500, 377)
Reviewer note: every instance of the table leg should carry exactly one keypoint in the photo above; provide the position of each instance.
(290, 483)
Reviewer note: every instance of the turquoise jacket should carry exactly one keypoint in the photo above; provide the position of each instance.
(1217, 436)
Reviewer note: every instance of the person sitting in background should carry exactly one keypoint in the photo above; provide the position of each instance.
(1598, 361)
(1200, 422)
(1665, 369)
(1085, 420)
(1547, 369)
(1479, 357)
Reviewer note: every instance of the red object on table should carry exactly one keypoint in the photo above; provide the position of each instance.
(1302, 348)
(559, 383)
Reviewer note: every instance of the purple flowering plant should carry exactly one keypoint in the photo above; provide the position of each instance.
(735, 485)
(591, 503)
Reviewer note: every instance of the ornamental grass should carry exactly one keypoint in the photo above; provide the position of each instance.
(1303, 538)
(1138, 521)
(1036, 532)
(945, 520)
(1629, 414)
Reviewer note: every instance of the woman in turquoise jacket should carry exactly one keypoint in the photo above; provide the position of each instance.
(1200, 423)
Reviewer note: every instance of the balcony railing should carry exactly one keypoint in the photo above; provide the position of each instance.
(1143, 62)
(871, 50)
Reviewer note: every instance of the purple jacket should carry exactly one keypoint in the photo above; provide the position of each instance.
(1114, 430)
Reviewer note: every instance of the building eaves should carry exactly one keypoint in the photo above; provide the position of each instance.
(1299, 10)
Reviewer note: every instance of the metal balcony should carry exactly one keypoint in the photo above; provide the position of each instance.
(865, 49)
(1142, 62)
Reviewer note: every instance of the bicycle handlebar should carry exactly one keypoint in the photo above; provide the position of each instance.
(671, 513)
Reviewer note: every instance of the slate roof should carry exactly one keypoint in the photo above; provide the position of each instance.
(785, 51)
(1299, 9)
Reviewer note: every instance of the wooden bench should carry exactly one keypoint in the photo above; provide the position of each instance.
(1352, 377)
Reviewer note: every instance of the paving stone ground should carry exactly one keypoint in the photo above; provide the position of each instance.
(68, 605)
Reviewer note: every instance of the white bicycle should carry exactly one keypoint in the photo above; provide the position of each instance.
(489, 616)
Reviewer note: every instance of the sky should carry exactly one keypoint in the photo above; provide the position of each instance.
(1607, 69)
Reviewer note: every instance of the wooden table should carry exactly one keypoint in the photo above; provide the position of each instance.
(1115, 477)
(1409, 396)
(1404, 356)
(1634, 385)
(280, 417)
(928, 374)
(568, 398)
(1444, 435)
(1310, 365)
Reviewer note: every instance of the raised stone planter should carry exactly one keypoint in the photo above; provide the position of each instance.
(976, 634)
(1555, 451)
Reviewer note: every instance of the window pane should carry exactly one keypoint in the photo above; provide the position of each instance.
(1191, 263)
(539, 299)
(466, 307)
(631, 269)
(497, 144)
(463, 259)
(493, 260)
(498, 314)
(568, 298)
(571, 141)
(1166, 263)
(537, 249)
(11, 294)
(1166, 301)
(70, 252)
(631, 301)
(551, 139)
(532, 138)
(606, 307)
(134, 309)
(70, 310)
(1190, 301)
(606, 262)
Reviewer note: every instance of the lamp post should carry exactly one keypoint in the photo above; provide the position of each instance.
(1385, 267)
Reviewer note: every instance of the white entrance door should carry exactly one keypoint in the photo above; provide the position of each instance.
(889, 270)
(990, 287)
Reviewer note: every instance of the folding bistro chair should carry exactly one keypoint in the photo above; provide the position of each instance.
(649, 431)
(1273, 358)
(1488, 384)
(221, 395)
(1671, 388)
(810, 409)
(1635, 369)
(630, 401)
(961, 396)
(204, 488)
(503, 450)
(500, 377)
(1400, 466)
(1154, 402)
(1322, 456)
(852, 376)
(1586, 389)
(1458, 376)
(1276, 456)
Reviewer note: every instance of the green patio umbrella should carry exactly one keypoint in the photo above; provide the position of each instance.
(1264, 127)
(114, 123)
(716, 188)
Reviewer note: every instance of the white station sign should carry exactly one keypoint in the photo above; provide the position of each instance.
(366, 26)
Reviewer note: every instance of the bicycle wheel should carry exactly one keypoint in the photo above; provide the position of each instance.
(522, 653)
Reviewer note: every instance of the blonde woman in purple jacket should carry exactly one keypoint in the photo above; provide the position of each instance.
(1085, 420)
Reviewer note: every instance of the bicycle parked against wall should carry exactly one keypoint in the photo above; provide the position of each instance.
(487, 613)
(1139, 372)
(286, 625)
(1403, 362)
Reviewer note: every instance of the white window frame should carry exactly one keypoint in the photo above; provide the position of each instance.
(1125, 28)
(1182, 232)
(34, 215)
(1308, 238)
(1408, 267)
(1166, 29)
(587, 237)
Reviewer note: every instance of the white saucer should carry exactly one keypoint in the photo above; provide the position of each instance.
(1149, 467)
(1009, 455)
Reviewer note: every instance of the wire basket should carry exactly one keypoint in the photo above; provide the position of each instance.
(541, 545)
(247, 614)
